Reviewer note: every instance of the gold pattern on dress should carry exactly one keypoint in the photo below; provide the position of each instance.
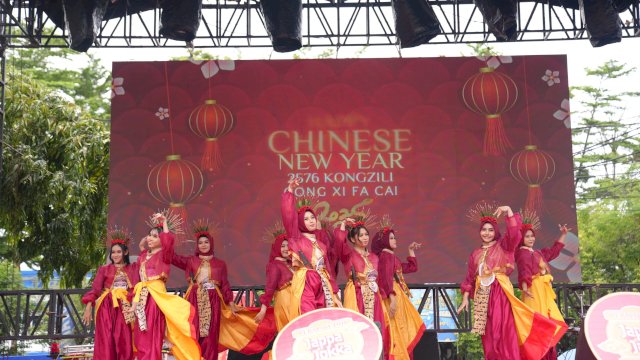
(203, 277)
(367, 289)
(119, 280)
(204, 311)
(481, 297)
(140, 314)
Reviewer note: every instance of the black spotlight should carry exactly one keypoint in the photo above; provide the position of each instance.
(284, 23)
(180, 19)
(416, 22)
(83, 20)
(602, 22)
(500, 17)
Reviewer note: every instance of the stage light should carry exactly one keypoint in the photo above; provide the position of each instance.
(283, 19)
(601, 21)
(416, 23)
(180, 19)
(500, 17)
(83, 20)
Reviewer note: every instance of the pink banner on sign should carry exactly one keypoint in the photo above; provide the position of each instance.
(334, 333)
(612, 326)
(422, 140)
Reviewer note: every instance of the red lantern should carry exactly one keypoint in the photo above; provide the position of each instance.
(211, 121)
(175, 182)
(491, 93)
(532, 167)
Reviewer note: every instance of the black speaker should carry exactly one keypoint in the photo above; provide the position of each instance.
(427, 348)
(180, 19)
(500, 17)
(602, 22)
(238, 356)
(83, 19)
(283, 19)
(232, 355)
(416, 22)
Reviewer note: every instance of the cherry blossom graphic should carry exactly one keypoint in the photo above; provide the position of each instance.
(116, 87)
(495, 61)
(162, 113)
(551, 77)
(210, 68)
(563, 114)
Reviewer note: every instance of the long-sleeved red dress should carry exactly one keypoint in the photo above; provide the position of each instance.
(110, 293)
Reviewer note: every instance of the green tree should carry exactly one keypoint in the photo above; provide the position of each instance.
(607, 167)
(87, 82)
(606, 144)
(53, 194)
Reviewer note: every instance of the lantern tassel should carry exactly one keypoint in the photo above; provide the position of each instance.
(534, 198)
(496, 142)
(211, 158)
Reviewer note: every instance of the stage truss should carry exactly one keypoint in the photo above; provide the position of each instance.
(239, 23)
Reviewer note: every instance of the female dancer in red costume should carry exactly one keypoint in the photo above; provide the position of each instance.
(509, 328)
(110, 292)
(534, 277)
(158, 314)
(407, 326)
(278, 284)
(219, 322)
(313, 287)
(361, 293)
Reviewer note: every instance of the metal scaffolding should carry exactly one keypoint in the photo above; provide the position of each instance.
(240, 23)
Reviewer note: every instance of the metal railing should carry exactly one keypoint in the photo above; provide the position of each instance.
(57, 314)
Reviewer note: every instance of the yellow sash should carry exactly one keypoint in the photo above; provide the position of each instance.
(543, 300)
(406, 326)
(178, 313)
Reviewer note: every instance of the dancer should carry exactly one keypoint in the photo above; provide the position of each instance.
(219, 322)
(407, 326)
(509, 328)
(361, 293)
(313, 287)
(158, 314)
(534, 277)
(278, 284)
(109, 292)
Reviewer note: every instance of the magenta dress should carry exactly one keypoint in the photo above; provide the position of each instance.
(366, 273)
(279, 276)
(529, 261)
(500, 341)
(216, 277)
(149, 343)
(309, 256)
(112, 333)
(536, 262)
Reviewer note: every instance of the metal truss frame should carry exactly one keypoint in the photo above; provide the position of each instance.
(240, 23)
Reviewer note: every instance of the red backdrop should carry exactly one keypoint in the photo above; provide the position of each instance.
(391, 133)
